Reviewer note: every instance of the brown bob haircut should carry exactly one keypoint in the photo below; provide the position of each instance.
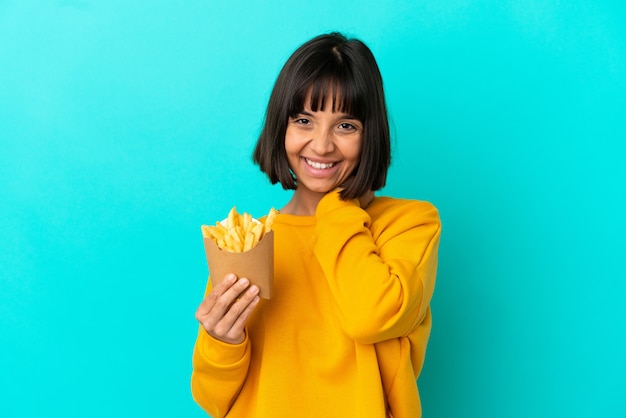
(329, 65)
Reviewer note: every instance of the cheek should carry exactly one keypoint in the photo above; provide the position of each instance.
(291, 143)
(353, 152)
(292, 155)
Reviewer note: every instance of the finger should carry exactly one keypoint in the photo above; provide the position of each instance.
(231, 327)
(225, 283)
(240, 323)
(366, 199)
(218, 304)
(236, 333)
(216, 292)
(237, 308)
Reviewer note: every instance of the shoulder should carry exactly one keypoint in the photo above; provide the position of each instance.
(415, 220)
(394, 208)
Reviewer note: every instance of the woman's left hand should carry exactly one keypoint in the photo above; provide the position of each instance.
(366, 199)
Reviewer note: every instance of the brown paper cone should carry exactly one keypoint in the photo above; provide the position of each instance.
(256, 265)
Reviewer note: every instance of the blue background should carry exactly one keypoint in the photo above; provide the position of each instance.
(126, 125)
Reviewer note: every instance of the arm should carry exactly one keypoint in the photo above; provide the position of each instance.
(219, 370)
(381, 274)
(221, 355)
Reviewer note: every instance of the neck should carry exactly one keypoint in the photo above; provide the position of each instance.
(303, 203)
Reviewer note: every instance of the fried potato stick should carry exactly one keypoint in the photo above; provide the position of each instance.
(239, 232)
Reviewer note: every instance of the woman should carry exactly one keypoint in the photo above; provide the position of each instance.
(346, 332)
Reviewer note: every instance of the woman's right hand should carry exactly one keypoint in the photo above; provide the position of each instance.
(226, 309)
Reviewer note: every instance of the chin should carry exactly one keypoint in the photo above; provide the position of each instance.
(319, 189)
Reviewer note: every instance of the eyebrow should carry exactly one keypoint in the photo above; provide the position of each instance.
(341, 115)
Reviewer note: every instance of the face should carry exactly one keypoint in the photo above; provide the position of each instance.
(323, 148)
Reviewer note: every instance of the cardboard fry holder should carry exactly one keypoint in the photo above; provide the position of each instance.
(256, 265)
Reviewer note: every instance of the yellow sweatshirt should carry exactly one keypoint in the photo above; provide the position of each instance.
(345, 333)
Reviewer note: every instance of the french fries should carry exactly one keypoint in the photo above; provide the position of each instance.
(239, 232)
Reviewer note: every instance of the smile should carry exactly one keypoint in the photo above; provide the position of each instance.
(318, 166)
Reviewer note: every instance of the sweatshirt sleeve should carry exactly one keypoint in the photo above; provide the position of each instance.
(219, 371)
(381, 274)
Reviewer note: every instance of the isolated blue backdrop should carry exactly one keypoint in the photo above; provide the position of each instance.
(126, 125)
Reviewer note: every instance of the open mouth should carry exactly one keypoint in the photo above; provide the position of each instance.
(317, 165)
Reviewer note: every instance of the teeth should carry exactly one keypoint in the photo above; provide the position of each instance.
(319, 166)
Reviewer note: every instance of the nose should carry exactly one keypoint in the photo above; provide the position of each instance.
(322, 141)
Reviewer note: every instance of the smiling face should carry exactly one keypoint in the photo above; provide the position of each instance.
(343, 73)
(323, 148)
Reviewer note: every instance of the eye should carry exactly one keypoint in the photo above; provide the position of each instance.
(300, 121)
(348, 127)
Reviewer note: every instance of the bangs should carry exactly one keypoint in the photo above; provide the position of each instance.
(337, 92)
